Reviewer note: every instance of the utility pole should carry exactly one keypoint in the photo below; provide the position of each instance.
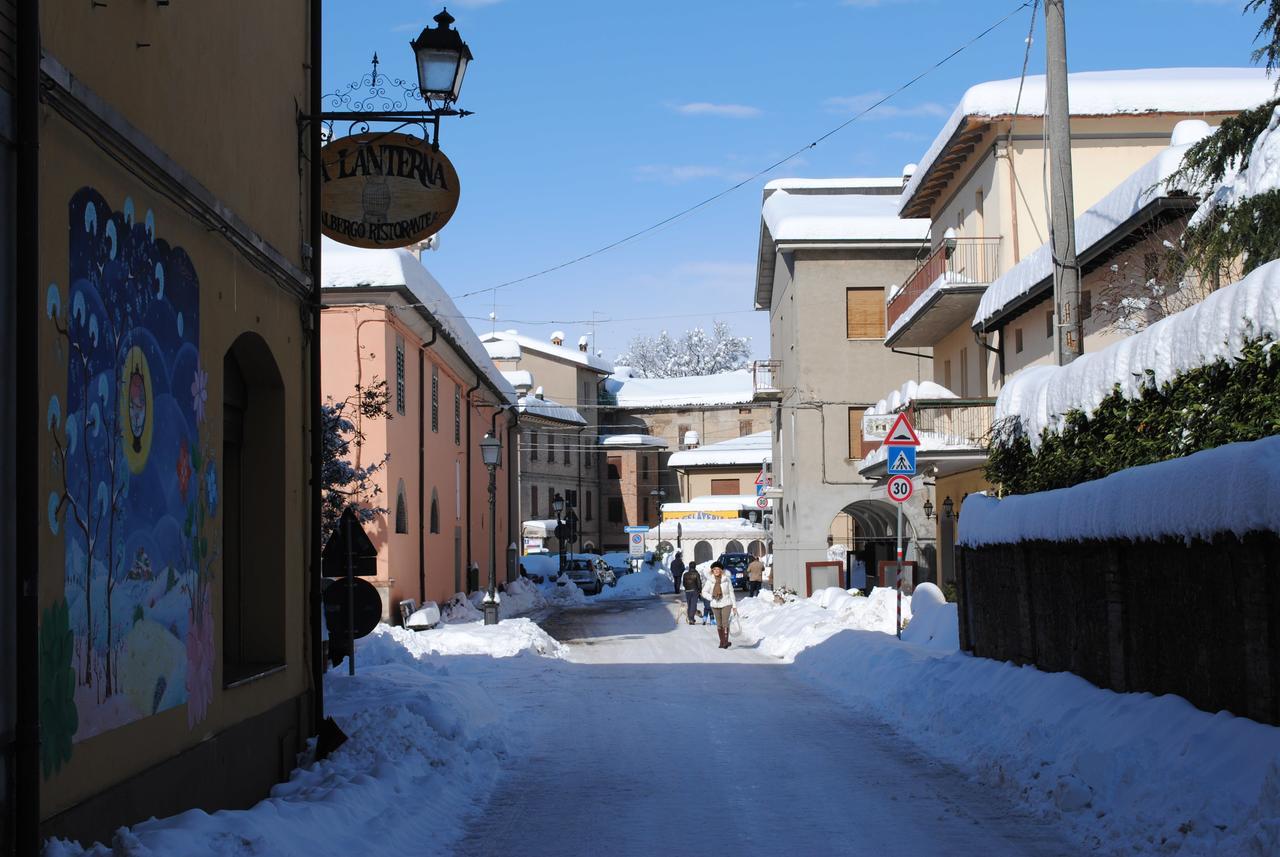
(1069, 334)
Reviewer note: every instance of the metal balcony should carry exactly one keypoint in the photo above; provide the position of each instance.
(766, 380)
(954, 277)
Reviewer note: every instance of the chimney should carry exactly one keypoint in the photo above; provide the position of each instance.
(557, 337)
(582, 344)
(537, 394)
(691, 440)
(907, 172)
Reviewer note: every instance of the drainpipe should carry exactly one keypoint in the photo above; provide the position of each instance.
(998, 352)
(317, 434)
(422, 465)
(467, 443)
(27, 424)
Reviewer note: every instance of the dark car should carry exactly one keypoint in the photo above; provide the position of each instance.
(585, 573)
(735, 565)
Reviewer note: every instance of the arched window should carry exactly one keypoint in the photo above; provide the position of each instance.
(402, 510)
(756, 548)
(702, 552)
(734, 546)
(435, 512)
(253, 497)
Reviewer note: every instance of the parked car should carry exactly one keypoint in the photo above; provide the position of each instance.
(540, 566)
(735, 565)
(586, 573)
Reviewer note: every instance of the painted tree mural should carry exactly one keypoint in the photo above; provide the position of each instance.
(135, 483)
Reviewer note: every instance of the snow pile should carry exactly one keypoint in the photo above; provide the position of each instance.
(459, 609)
(751, 450)
(1262, 174)
(1126, 773)
(517, 342)
(1228, 489)
(721, 388)
(510, 637)
(1105, 93)
(651, 580)
(1150, 183)
(785, 629)
(934, 622)
(1214, 329)
(898, 399)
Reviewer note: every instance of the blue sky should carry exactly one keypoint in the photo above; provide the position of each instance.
(596, 119)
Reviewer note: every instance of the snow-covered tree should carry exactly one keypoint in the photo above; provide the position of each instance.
(695, 352)
(342, 482)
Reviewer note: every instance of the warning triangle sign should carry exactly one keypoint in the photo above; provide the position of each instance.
(902, 434)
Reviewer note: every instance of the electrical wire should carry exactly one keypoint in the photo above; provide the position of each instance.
(797, 153)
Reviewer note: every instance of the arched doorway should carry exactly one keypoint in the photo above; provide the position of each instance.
(734, 546)
(867, 529)
(702, 552)
(756, 548)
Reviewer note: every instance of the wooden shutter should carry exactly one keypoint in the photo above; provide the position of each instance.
(864, 313)
(724, 486)
(855, 432)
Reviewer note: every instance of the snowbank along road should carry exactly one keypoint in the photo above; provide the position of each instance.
(652, 741)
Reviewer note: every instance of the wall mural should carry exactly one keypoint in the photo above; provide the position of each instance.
(135, 480)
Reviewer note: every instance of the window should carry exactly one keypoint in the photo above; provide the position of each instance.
(614, 463)
(864, 313)
(682, 430)
(253, 493)
(457, 415)
(724, 486)
(744, 428)
(979, 212)
(644, 466)
(589, 457)
(435, 398)
(402, 510)
(1017, 341)
(615, 510)
(551, 501)
(435, 512)
(964, 373)
(399, 374)
(565, 450)
(586, 392)
(960, 219)
(1086, 304)
(551, 448)
(533, 446)
(744, 412)
(1048, 324)
(946, 374)
(533, 500)
(587, 509)
(855, 432)
(570, 498)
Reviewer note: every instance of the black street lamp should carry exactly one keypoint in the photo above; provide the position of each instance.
(442, 59)
(491, 455)
(948, 507)
(928, 508)
(557, 503)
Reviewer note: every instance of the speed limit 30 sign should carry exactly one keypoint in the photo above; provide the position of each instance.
(900, 488)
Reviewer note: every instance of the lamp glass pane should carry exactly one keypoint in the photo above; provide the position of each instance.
(436, 72)
(457, 80)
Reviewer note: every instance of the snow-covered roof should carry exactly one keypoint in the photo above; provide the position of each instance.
(733, 528)
(632, 440)
(714, 503)
(838, 217)
(347, 267)
(549, 409)
(722, 388)
(1236, 490)
(894, 182)
(1105, 93)
(519, 378)
(545, 347)
(909, 392)
(503, 349)
(1216, 328)
(1113, 212)
(752, 449)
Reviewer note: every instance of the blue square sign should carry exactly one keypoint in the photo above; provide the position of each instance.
(902, 460)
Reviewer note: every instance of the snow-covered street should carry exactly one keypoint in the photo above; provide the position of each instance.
(648, 739)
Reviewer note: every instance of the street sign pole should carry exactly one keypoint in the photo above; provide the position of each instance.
(351, 604)
(898, 581)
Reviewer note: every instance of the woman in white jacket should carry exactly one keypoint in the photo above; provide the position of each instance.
(719, 591)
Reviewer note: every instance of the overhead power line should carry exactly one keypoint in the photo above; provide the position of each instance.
(797, 153)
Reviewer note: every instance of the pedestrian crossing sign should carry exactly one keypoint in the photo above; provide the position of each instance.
(902, 460)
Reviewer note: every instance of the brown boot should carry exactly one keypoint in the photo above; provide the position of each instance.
(724, 636)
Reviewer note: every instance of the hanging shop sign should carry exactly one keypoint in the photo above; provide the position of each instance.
(385, 190)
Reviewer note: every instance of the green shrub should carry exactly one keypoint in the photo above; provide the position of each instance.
(1207, 407)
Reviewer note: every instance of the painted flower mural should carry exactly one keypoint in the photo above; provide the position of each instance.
(132, 487)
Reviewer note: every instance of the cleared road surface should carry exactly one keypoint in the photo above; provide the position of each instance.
(652, 741)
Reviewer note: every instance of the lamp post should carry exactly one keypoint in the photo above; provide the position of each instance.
(557, 503)
(928, 509)
(491, 455)
(948, 507)
(658, 494)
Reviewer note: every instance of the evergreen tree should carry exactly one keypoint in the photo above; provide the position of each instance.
(695, 352)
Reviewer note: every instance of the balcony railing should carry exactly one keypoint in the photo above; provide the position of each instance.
(962, 261)
(964, 423)
(766, 378)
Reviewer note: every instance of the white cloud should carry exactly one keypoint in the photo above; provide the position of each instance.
(846, 104)
(706, 108)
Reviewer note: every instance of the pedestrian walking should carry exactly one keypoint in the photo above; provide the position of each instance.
(755, 576)
(707, 615)
(677, 571)
(719, 591)
(692, 583)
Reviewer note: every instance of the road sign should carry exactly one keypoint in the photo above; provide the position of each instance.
(902, 434)
(762, 502)
(635, 530)
(902, 461)
(760, 489)
(900, 488)
(364, 556)
(760, 478)
(636, 542)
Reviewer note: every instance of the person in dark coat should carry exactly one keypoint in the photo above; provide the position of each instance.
(692, 582)
(677, 570)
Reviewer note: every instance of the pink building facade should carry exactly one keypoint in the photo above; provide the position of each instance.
(387, 319)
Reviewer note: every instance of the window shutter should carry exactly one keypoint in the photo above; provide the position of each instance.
(864, 313)
(855, 432)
